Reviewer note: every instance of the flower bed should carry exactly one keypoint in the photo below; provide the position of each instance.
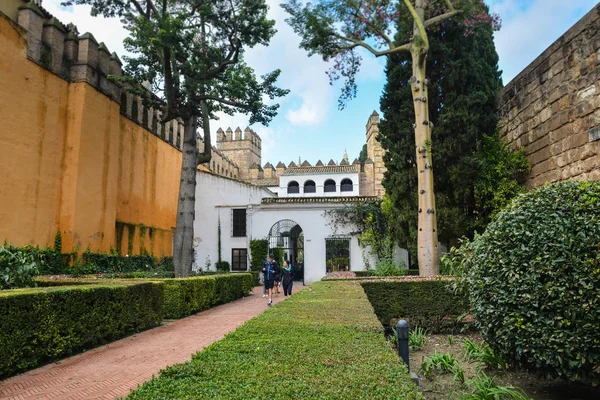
(324, 343)
(38, 325)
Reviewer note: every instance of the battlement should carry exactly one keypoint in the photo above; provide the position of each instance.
(230, 140)
(76, 57)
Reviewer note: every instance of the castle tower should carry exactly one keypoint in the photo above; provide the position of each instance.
(243, 148)
(375, 153)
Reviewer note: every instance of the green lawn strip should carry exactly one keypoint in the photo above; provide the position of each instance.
(38, 325)
(325, 343)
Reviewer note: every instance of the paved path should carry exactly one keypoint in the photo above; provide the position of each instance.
(115, 369)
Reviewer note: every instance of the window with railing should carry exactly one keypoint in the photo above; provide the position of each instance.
(346, 185)
(329, 186)
(310, 187)
(293, 187)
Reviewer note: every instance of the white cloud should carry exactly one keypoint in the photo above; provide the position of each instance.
(528, 29)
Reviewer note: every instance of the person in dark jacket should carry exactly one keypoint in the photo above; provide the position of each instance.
(270, 271)
(287, 278)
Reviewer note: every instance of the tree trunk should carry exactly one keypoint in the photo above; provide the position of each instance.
(183, 244)
(427, 241)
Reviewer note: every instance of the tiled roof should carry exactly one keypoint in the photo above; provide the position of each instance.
(264, 182)
(329, 169)
(318, 200)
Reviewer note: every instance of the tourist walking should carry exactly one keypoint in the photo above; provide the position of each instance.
(270, 272)
(287, 278)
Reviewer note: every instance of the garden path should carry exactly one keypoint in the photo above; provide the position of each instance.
(115, 369)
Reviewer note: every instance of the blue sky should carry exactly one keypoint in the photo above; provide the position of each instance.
(309, 124)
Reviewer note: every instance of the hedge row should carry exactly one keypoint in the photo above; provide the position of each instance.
(430, 304)
(44, 324)
(187, 296)
(325, 343)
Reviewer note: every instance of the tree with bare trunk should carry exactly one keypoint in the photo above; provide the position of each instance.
(191, 53)
(336, 29)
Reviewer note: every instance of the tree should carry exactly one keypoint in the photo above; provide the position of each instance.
(335, 29)
(191, 52)
(463, 83)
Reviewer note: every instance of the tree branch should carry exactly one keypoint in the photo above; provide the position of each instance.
(169, 86)
(357, 43)
(138, 7)
(436, 20)
(231, 58)
(223, 101)
(361, 17)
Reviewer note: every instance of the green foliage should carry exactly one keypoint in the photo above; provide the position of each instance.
(483, 387)
(18, 266)
(44, 324)
(533, 279)
(469, 167)
(187, 296)
(417, 338)
(445, 363)
(278, 254)
(388, 267)
(259, 250)
(223, 266)
(429, 304)
(58, 242)
(483, 354)
(372, 220)
(325, 343)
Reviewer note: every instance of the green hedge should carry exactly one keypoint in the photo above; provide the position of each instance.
(38, 325)
(430, 304)
(187, 296)
(259, 250)
(325, 343)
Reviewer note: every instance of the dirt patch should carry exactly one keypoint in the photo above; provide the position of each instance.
(444, 386)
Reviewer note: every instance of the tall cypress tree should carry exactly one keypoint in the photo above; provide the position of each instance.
(463, 83)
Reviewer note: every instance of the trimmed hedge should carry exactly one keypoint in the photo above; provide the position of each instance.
(325, 343)
(187, 296)
(430, 304)
(43, 324)
(533, 279)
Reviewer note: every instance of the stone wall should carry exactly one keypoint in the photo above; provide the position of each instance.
(79, 156)
(375, 153)
(552, 108)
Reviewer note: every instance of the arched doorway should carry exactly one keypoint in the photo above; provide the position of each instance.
(286, 242)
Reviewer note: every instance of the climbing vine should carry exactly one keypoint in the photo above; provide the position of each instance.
(370, 220)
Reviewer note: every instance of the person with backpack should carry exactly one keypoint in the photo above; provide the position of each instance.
(287, 278)
(270, 272)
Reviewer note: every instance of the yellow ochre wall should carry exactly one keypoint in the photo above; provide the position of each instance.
(70, 161)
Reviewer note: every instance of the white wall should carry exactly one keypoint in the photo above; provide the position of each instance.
(217, 196)
(319, 179)
(316, 227)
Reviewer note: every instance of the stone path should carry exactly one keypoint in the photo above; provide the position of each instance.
(115, 369)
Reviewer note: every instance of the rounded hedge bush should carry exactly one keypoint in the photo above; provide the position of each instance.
(534, 281)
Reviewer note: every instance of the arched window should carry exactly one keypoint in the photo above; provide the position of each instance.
(310, 187)
(293, 187)
(346, 185)
(329, 186)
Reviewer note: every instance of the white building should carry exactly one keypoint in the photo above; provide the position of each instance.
(299, 226)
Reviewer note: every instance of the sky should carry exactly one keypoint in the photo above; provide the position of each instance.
(309, 124)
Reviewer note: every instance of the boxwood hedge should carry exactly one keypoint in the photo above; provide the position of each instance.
(44, 324)
(430, 304)
(534, 281)
(187, 296)
(325, 343)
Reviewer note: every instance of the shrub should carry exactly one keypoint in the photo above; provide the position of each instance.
(259, 250)
(223, 266)
(534, 279)
(429, 304)
(18, 265)
(325, 343)
(187, 296)
(388, 267)
(44, 324)
(445, 363)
